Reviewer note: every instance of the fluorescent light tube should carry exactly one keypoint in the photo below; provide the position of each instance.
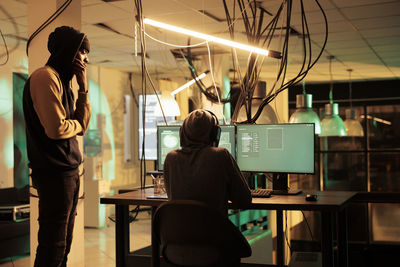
(201, 76)
(206, 37)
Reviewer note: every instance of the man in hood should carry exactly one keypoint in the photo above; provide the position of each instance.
(200, 170)
(204, 172)
(52, 123)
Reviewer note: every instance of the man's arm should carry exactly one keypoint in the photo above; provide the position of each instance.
(239, 192)
(83, 109)
(46, 93)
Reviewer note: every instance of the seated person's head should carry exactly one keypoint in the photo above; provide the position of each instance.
(199, 129)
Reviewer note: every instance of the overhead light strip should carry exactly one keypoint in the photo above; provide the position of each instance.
(207, 37)
(201, 76)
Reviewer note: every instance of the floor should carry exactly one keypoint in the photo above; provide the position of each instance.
(100, 243)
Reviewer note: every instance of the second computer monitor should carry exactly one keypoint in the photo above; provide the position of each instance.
(167, 140)
(278, 148)
(227, 139)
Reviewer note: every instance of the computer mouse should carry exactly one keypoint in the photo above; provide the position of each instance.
(311, 197)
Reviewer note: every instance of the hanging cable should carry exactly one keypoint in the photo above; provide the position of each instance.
(350, 88)
(139, 16)
(132, 91)
(331, 80)
(302, 73)
(174, 45)
(213, 80)
(6, 48)
(58, 12)
(308, 226)
(199, 83)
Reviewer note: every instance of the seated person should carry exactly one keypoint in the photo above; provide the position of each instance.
(200, 170)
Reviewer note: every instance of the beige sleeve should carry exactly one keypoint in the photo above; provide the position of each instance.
(46, 94)
(83, 111)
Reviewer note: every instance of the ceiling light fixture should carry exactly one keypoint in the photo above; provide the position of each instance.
(206, 37)
(189, 83)
(332, 124)
(304, 112)
(353, 126)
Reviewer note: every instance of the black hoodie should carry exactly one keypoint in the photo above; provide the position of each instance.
(50, 155)
(202, 172)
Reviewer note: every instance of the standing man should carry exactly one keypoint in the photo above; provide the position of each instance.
(52, 123)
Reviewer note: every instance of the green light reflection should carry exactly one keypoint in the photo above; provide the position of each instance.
(99, 103)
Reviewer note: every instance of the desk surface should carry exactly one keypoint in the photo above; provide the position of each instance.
(327, 200)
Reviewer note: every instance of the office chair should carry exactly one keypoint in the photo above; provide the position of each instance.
(192, 234)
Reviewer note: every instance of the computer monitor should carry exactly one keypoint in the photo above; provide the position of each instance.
(167, 140)
(152, 119)
(227, 139)
(277, 148)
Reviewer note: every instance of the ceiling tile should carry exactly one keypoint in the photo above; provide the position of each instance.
(103, 13)
(349, 51)
(350, 44)
(384, 40)
(340, 36)
(91, 2)
(387, 48)
(383, 32)
(332, 15)
(354, 3)
(319, 28)
(379, 22)
(372, 11)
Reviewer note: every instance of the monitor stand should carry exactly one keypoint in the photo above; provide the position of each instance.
(280, 185)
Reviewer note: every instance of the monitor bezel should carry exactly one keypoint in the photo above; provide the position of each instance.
(276, 172)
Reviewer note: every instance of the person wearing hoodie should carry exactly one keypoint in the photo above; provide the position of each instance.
(202, 171)
(53, 120)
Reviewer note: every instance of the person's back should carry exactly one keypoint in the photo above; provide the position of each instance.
(200, 171)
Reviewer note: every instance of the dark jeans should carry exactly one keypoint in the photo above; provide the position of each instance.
(58, 197)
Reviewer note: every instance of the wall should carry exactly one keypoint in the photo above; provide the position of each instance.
(16, 63)
(113, 85)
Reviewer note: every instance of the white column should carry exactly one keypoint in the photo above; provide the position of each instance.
(38, 12)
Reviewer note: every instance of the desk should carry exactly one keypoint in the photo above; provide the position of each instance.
(329, 203)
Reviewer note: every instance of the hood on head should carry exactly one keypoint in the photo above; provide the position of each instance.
(63, 45)
(196, 129)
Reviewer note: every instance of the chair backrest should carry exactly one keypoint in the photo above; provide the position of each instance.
(192, 234)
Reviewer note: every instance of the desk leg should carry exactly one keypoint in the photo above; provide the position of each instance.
(343, 238)
(155, 248)
(327, 239)
(280, 248)
(121, 234)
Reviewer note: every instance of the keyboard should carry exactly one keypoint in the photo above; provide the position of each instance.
(260, 192)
